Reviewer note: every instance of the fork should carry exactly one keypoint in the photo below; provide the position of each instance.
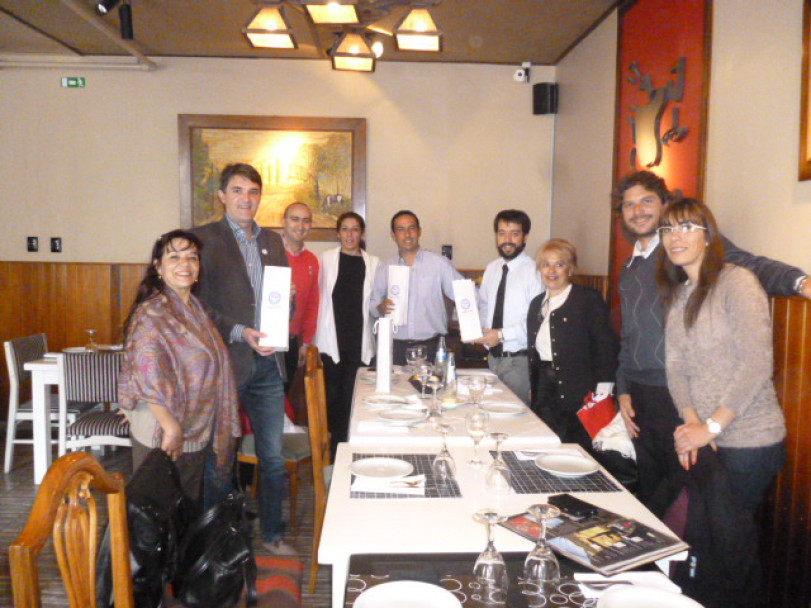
(409, 484)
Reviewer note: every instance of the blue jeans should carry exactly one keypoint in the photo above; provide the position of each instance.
(262, 396)
(752, 470)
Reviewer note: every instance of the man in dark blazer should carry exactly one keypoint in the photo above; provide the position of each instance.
(235, 252)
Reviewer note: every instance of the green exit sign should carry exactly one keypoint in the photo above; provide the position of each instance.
(73, 82)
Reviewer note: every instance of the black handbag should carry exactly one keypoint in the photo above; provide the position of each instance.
(158, 514)
(216, 560)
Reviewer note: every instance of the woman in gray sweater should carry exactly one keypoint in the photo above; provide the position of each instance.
(718, 348)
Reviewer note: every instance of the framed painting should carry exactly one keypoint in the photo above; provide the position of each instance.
(805, 98)
(320, 162)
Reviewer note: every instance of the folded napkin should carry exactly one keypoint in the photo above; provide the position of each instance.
(373, 426)
(652, 579)
(401, 485)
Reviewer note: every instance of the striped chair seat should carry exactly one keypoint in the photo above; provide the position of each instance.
(110, 424)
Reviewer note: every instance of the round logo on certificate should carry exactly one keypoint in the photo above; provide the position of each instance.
(465, 304)
(274, 297)
(395, 290)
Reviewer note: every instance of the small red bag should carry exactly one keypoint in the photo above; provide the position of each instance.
(596, 414)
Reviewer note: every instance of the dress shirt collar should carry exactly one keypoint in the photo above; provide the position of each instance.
(290, 250)
(638, 251)
(239, 231)
(401, 260)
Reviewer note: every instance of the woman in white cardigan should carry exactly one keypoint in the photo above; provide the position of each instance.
(344, 332)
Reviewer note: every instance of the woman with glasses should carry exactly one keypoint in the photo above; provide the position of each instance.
(718, 346)
(572, 344)
(344, 330)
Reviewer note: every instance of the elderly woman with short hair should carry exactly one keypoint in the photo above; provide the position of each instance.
(572, 344)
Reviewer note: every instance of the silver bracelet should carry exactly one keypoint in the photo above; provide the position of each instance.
(799, 284)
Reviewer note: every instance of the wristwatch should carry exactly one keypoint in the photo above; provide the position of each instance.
(500, 336)
(714, 427)
(799, 284)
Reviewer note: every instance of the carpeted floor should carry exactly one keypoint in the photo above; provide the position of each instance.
(17, 493)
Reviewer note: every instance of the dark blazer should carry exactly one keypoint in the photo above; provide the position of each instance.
(226, 289)
(584, 345)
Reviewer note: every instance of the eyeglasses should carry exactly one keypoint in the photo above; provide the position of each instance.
(682, 228)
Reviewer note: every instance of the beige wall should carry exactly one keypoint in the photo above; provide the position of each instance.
(754, 127)
(584, 147)
(99, 166)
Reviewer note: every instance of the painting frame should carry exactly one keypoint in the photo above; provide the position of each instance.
(190, 124)
(804, 172)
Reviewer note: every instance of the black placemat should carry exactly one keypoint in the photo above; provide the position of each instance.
(527, 478)
(434, 488)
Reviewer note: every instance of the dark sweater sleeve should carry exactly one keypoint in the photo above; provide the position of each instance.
(603, 339)
(776, 277)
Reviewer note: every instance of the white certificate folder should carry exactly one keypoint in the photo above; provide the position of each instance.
(274, 319)
(467, 309)
(398, 293)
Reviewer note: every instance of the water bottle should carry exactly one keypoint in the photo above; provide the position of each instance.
(441, 355)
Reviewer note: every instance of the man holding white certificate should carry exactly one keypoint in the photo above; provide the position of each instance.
(509, 285)
(411, 287)
(234, 257)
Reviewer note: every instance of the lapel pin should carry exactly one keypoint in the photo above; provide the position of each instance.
(264, 252)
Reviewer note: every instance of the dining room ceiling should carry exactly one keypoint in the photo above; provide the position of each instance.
(473, 31)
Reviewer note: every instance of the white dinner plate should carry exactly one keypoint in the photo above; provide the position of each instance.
(370, 377)
(403, 417)
(566, 465)
(381, 468)
(502, 409)
(75, 349)
(643, 597)
(407, 594)
(382, 400)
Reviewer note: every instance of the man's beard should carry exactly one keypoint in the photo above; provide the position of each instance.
(516, 252)
(634, 236)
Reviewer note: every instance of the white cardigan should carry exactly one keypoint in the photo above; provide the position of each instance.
(326, 337)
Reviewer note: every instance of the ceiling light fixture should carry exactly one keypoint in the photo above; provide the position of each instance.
(352, 53)
(105, 6)
(125, 20)
(332, 12)
(269, 29)
(418, 32)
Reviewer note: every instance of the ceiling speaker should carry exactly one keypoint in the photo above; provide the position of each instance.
(545, 98)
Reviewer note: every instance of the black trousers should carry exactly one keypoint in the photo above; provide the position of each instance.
(656, 460)
(560, 417)
(339, 379)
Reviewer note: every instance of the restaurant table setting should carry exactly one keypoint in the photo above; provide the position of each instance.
(399, 476)
(446, 580)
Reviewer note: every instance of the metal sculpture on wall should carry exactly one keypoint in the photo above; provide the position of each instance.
(647, 118)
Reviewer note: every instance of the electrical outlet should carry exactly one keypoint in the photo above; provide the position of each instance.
(447, 251)
(33, 243)
(56, 244)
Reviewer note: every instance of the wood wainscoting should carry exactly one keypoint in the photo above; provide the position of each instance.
(65, 299)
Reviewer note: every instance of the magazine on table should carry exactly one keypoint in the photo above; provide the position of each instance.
(599, 539)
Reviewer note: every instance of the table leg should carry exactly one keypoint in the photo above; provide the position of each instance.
(42, 426)
(340, 573)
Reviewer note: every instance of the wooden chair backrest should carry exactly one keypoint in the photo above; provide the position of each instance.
(20, 351)
(317, 417)
(65, 508)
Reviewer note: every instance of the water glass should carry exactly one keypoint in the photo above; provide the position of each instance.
(477, 423)
(490, 568)
(443, 466)
(499, 477)
(541, 568)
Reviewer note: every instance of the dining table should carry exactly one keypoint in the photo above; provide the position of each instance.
(368, 427)
(438, 519)
(44, 375)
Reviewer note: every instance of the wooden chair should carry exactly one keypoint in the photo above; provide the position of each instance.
(319, 447)
(295, 451)
(90, 377)
(66, 508)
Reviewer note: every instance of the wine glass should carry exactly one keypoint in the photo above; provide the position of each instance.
(415, 356)
(476, 385)
(435, 410)
(490, 569)
(499, 476)
(541, 568)
(91, 345)
(424, 373)
(477, 422)
(443, 466)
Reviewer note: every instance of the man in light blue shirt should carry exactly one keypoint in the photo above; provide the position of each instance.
(430, 281)
(506, 337)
